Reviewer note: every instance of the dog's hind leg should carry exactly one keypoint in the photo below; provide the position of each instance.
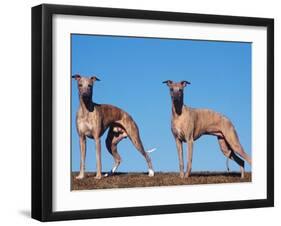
(233, 141)
(230, 154)
(113, 138)
(135, 138)
(132, 131)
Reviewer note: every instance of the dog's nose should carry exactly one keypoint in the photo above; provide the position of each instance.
(84, 94)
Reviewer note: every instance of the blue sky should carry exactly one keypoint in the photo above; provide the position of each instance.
(131, 72)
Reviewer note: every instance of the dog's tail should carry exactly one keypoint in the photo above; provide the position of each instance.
(150, 150)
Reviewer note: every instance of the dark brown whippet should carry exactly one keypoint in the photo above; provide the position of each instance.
(188, 124)
(93, 119)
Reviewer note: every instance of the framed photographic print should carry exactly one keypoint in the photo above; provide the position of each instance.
(145, 112)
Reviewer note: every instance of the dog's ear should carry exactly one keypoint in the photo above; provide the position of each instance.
(168, 82)
(95, 78)
(184, 83)
(76, 77)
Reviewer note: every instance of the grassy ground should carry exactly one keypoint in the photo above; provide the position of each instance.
(127, 180)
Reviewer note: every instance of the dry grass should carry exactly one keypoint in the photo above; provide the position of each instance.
(127, 180)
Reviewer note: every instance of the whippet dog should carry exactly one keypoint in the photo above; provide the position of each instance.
(93, 119)
(188, 124)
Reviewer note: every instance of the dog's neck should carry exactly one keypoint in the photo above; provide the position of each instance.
(86, 103)
(177, 106)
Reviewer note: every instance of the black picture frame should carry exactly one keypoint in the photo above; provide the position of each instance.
(42, 111)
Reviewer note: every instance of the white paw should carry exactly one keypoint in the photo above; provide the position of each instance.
(98, 177)
(150, 173)
(80, 177)
(114, 169)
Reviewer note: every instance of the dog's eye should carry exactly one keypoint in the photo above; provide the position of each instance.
(80, 85)
(89, 86)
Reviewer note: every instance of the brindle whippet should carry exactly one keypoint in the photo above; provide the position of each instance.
(188, 124)
(93, 119)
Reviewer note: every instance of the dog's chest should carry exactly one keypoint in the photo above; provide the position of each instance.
(182, 126)
(86, 125)
(178, 130)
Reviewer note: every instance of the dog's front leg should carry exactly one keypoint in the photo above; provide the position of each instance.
(98, 158)
(189, 154)
(82, 141)
(180, 155)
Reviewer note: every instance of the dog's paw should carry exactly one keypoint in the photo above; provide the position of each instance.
(98, 177)
(150, 173)
(187, 175)
(181, 175)
(79, 177)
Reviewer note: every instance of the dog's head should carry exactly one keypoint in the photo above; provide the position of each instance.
(85, 84)
(176, 89)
